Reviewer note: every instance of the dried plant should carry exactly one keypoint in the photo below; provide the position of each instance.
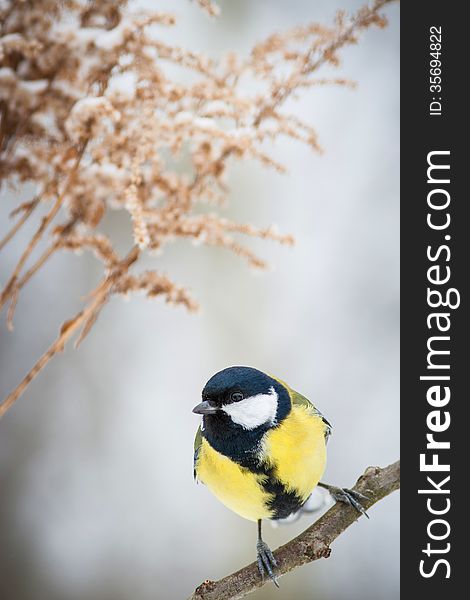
(157, 148)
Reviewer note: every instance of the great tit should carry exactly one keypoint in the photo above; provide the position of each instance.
(261, 449)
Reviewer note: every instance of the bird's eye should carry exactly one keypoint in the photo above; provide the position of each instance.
(236, 397)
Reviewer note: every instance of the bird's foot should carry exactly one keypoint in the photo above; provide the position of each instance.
(347, 496)
(266, 561)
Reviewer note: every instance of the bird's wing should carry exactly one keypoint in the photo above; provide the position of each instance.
(197, 447)
(299, 400)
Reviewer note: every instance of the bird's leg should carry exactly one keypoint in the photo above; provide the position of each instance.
(265, 558)
(347, 496)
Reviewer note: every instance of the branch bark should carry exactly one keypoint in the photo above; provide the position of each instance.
(310, 545)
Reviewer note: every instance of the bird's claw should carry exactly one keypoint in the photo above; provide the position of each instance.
(350, 497)
(266, 561)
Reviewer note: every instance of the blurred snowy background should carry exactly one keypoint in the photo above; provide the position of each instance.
(97, 497)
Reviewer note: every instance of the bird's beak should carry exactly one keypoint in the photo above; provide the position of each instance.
(204, 408)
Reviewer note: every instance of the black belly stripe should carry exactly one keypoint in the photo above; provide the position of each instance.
(283, 502)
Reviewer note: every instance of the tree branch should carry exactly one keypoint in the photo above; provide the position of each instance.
(312, 544)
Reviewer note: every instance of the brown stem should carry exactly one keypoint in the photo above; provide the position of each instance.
(310, 545)
(9, 289)
(20, 283)
(32, 205)
(98, 299)
(279, 96)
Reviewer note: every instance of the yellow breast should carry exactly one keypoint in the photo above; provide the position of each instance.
(296, 450)
(235, 486)
(294, 454)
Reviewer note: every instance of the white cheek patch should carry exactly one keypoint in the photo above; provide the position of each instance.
(254, 411)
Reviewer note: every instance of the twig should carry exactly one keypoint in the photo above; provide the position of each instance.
(48, 252)
(9, 289)
(89, 314)
(281, 94)
(312, 544)
(28, 210)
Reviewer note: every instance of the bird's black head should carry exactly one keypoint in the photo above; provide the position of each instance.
(239, 404)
